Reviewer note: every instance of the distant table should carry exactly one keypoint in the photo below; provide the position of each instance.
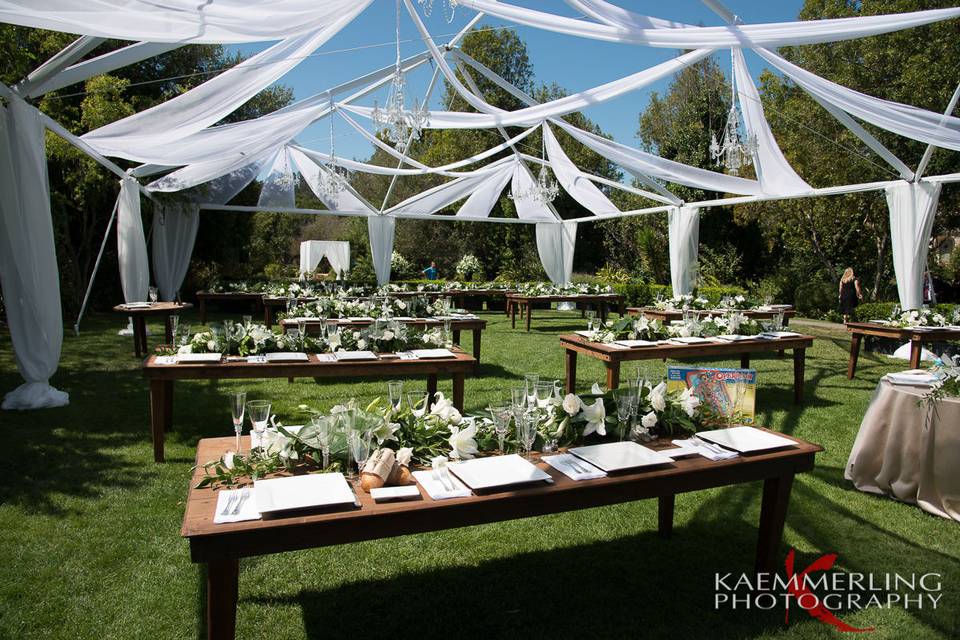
(140, 314)
(476, 325)
(271, 304)
(205, 297)
(461, 296)
(909, 451)
(162, 377)
(613, 356)
(524, 304)
(916, 338)
(669, 315)
(220, 546)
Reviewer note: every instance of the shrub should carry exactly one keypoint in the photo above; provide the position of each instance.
(276, 271)
(613, 275)
(362, 273)
(400, 267)
(715, 293)
(814, 299)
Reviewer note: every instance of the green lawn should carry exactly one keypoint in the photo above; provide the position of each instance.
(90, 545)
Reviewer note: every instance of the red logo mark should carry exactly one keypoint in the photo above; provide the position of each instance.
(797, 587)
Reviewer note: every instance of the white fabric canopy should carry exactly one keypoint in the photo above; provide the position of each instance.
(775, 34)
(485, 198)
(574, 181)
(278, 186)
(528, 208)
(131, 243)
(28, 259)
(441, 196)
(380, 229)
(556, 243)
(684, 231)
(912, 209)
(346, 200)
(175, 227)
(313, 251)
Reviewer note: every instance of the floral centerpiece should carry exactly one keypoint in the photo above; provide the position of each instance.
(643, 328)
(947, 384)
(922, 317)
(535, 289)
(283, 290)
(736, 302)
(245, 340)
(683, 302)
(467, 267)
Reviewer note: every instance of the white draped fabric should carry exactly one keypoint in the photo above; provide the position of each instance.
(131, 243)
(775, 174)
(175, 227)
(556, 243)
(380, 229)
(482, 201)
(28, 259)
(684, 232)
(574, 181)
(774, 34)
(184, 21)
(313, 251)
(346, 200)
(278, 186)
(441, 196)
(521, 185)
(216, 98)
(912, 209)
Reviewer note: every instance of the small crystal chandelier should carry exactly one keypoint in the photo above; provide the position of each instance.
(333, 178)
(395, 122)
(734, 150)
(545, 190)
(449, 8)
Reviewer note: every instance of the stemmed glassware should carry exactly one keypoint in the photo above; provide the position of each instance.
(152, 294)
(302, 329)
(247, 321)
(591, 324)
(227, 334)
(418, 401)
(395, 393)
(259, 413)
(531, 380)
(185, 335)
(237, 401)
(518, 398)
(627, 403)
(500, 414)
(447, 334)
(174, 324)
(359, 443)
(326, 427)
(527, 431)
(544, 391)
(736, 392)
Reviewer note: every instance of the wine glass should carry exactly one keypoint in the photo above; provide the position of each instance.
(527, 431)
(152, 293)
(518, 397)
(591, 315)
(237, 401)
(500, 414)
(447, 334)
(326, 427)
(622, 396)
(395, 392)
(174, 325)
(544, 391)
(419, 402)
(302, 329)
(359, 443)
(531, 380)
(185, 335)
(259, 413)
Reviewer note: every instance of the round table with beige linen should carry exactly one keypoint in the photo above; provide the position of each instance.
(909, 450)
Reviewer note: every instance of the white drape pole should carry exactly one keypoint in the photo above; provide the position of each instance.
(684, 231)
(913, 206)
(96, 267)
(928, 153)
(380, 229)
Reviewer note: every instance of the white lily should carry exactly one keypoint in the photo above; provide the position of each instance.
(444, 409)
(462, 443)
(689, 402)
(595, 389)
(658, 397)
(595, 415)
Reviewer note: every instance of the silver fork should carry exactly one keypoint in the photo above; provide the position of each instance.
(233, 498)
(244, 494)
(575, 464)
(448, 480)
(709, 446)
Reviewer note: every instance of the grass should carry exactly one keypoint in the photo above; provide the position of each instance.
(90, 545)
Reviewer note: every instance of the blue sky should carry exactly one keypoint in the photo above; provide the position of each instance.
(573, 63)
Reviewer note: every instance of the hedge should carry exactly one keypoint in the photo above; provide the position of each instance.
(867, 311)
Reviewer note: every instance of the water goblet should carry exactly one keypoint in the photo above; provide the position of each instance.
(518, 396)
(527, 424)
(302, 331)
(447, 334)
(543, 391)
(174, 324)
(395, 392)
(259, 414)
(500, 414)
(326, 427)
(237, 401)
(419, 402)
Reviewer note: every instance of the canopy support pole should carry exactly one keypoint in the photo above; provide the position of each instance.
(96, 267)
(925, 160)
(72, 52)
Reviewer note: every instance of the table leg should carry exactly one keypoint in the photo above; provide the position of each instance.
(458, 379)
(571, 371)
(267, 315)
(140, 336)
(665, 515)
(799, 364)
(512, 308)
(613, 374)
(855, 340)
(745, 361)
(158, 420)
(222, 589)
(916, 351)
(167, 405)
(203, 310)
(431, 387)
(529, 309)
(623, 308)
(603, 311)
(477, 336)
(773, 514)
(168, 331)
(456, 336)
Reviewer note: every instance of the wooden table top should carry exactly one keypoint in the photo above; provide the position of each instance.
(875, 329)
(607, 352)
(230, 295)
(567, 298)
(155, 309)
(380, 520)
(313, 367)
(459, 323)
(788, 312)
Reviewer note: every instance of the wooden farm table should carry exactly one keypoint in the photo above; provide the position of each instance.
(162, 377)
(139, 315)
(461, 296)
(476, 325)
(524, 303)
(220, 546)
(272, 304)
(204, 297)
(916, 338)
(669, 315)
(613, 356)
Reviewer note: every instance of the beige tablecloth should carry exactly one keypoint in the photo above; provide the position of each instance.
(909, 451)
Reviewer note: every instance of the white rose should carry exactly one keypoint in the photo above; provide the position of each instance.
(361, 344)
(388, 335)
(658, 397)
(649, 420)
(401, 305)
(211, 345)
(185, 349)
(572, 404)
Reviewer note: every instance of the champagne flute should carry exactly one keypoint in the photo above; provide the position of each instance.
(518, 396)
(302, 328)
(259, 413)
(395, 392)
(500, 414)
(174, 324)
(531, 380)
(359, 443)
(237, 401)
(326, 427)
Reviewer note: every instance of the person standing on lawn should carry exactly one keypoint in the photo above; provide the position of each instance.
(431, 272)
(850, 294)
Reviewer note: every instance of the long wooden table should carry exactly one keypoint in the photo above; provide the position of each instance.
(205, 297)
(669, 315)
(524, 304)
(612, 357)
(273, 304)
(461, 296)
(162, 378)
(916, 338)
(476, 325)
(220, 546)
(139, 316)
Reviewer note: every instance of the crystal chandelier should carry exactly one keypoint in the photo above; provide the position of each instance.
(395, 122)
(333, 178)
(545, 190)
(449, 8)
(734, 150)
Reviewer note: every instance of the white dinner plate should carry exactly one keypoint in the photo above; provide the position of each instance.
(635, 343)
(303, 492)
(342, 356)
(199, 357)
(584, 333)
(497, 471)
(780, 334)
(137, 305)
(432, 353)
(619, 456)
(731, 337)
(746, 439)
(287, 356)
(691, 340)
(360, 319)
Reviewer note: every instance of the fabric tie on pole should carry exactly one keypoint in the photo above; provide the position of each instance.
(131, 244)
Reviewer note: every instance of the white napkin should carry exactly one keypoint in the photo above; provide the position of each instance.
(165, 360)
(248, 510)
(407, 355)
(326, 357)
(561, 462)
(919, 378)
(435, 488)
(689, 447)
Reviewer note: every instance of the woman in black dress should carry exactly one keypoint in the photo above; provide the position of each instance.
(850, 294)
